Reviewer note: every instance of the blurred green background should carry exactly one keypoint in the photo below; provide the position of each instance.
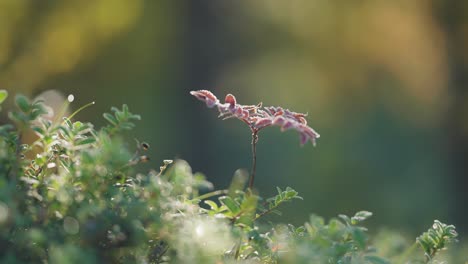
(383, 83)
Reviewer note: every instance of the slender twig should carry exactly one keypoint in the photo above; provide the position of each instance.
(267, 211)
(211, 194)
(79, 109)
(254, 158)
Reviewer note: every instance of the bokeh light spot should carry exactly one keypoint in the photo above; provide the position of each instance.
(71, 225)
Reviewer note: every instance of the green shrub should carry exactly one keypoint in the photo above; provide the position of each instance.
(75, 195)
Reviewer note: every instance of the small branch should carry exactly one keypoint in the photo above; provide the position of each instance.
(254, 158)
(211, 194)
(79, 110)
(267, 212)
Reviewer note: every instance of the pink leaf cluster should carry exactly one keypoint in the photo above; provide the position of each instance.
(258, 117)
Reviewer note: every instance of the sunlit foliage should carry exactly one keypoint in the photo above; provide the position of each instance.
(76, 195)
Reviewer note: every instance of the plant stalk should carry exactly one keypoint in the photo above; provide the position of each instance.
(210, 194)
(254, 158)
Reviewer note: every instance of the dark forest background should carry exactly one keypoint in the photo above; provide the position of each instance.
(384, 83)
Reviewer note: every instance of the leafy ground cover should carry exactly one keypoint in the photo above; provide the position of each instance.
(76, 194)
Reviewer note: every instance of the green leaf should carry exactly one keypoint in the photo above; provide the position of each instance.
(345, 218)
(300, 229)
(359, 237)
(125, 109)
(82, 128)
(77, 125)
(110, 118)
(279, 191)
(290, 193)
(85, 141)
(64, 131)
(6, 127)
(249, 204)
(68, 122)
(3, 95)
(317, 220)
(136, 117)
(39, 130)
(232, 205)
(120, 116)
(238, 182)
(335, 226)
(245, 219)
(360, 216)
(127, 125)
(37, 110)
(212, 204)
(23, 103)
(278, 200)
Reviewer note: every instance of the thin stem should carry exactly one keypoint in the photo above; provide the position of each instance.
(210, 194)
(266, 212)
(254, 158)
(79, 110)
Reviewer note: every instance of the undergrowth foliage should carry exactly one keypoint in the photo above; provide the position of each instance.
(76, 195)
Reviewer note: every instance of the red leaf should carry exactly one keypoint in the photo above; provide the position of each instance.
(239, 112)
(287, 125)
(231, 100)
(303, 138)
(309, 131)
(279, 112)
(206, 96)
(258, 117)
(301, 120)
(245, 114)
(263, 122)
(279, 121)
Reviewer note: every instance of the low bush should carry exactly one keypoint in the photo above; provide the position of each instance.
(76, 195)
